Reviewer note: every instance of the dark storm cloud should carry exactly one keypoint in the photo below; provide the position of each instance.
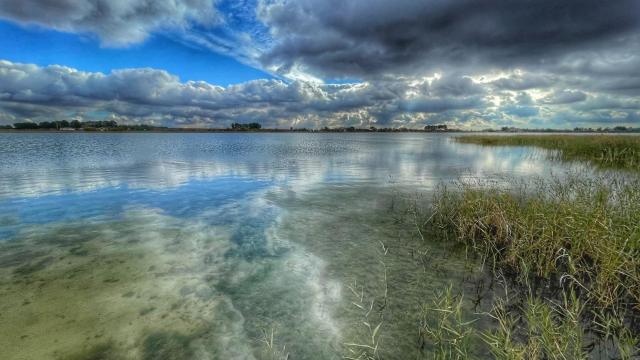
(612, 71)
(564, 97)
(607, 102)
(456, 85)
(437, 105)
(468, 63)
(116, 22)
(526, 81)
(369, 37)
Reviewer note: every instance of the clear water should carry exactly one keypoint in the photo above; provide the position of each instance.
(172, 246)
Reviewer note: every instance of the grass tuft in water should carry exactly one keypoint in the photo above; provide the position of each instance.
(367, 346)
(622, 152)
(443, 327)
(578, 230)
(539, 330)
(571, 246)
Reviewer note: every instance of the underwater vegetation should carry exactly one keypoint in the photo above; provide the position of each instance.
(607, 151)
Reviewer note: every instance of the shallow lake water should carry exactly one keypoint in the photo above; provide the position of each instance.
(226, 246)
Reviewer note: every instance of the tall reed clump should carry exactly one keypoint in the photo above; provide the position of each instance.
(610, 151)
(576, 235)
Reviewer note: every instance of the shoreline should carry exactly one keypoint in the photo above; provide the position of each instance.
(286, 131)
(223, 131)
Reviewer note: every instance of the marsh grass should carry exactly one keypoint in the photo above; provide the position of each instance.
(570, 246)
(540, 330)
(609, 151)
(577, 229)
(442, 324)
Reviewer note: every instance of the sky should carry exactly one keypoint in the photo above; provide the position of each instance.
(313, 63)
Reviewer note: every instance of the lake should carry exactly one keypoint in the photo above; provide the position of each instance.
(230, 246)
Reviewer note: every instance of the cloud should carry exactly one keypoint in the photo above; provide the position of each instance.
(524, 98)
(31, 92)
(116, 22)
(142, 95)
(456, 85)
(523, 81)
(367, 38)
(438, 105)
(607, 102)
(521, 111)
(565, 97)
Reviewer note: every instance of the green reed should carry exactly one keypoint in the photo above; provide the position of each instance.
(442, 323)
(572, 245)
(609, 151)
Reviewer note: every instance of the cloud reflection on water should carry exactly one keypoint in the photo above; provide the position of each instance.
(243, 231)
(41, 164)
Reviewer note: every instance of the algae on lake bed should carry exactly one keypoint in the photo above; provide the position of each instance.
(84, 299)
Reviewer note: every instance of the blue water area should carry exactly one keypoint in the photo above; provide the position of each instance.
(53, 177)
(116, 245)
(188, 200)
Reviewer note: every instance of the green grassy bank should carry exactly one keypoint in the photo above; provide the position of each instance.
(609, 151)
(566, 251)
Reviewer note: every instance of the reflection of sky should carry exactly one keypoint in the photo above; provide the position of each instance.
(109, 203)
(184, 201)
(223, 213)
(38, 164)
(61, 177)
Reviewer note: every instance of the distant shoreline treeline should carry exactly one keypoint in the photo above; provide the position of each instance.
(113, 126)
